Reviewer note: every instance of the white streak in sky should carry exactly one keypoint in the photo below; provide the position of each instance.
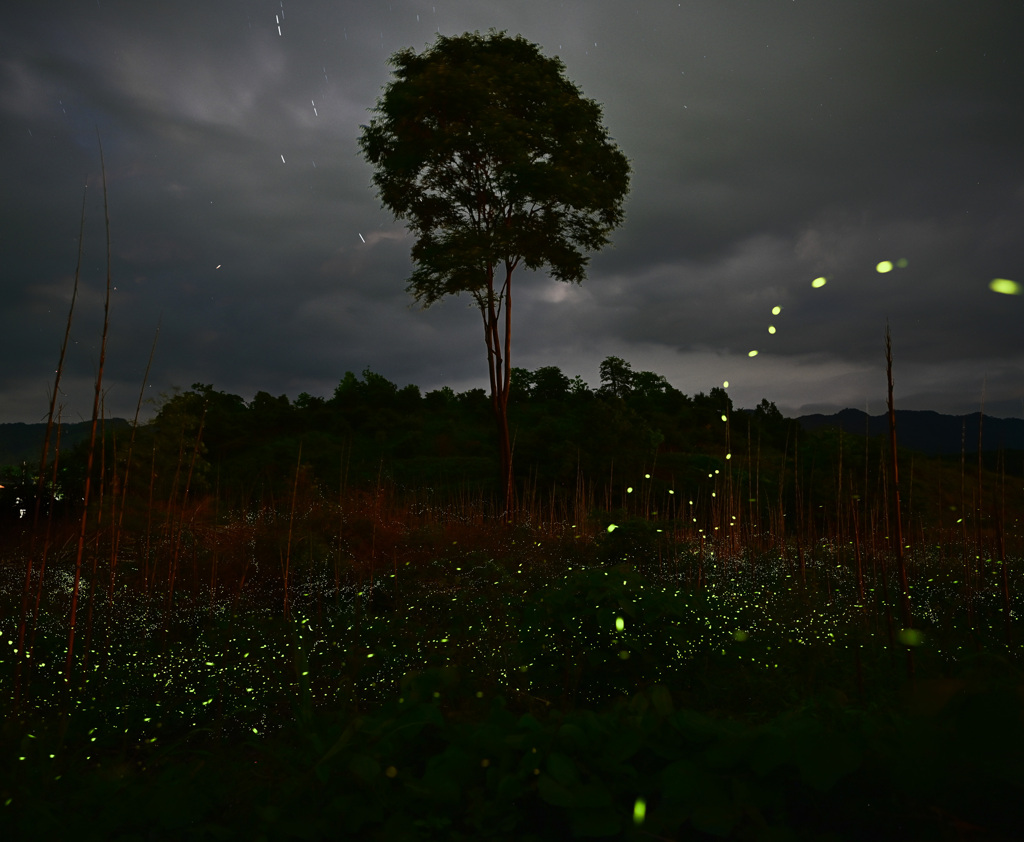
(362, 238)
(283, 161)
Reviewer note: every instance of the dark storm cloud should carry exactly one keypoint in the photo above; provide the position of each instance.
(772, 143)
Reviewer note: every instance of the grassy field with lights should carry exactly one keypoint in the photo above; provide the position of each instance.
(621, 677)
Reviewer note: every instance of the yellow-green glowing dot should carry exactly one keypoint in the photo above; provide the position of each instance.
(1004, 286)
(391, 771)
(818, 283)
(612, 527)
(670, 491)
(884, 266)
(752, 354)
(776, 311)
(619, 624)
(639, 811)
(647, 476)
(740, 636)
(629, 490)
(911, 637)
(725, 384)
(728, 456)
(724, 418)
(901, 263)
(771, 328)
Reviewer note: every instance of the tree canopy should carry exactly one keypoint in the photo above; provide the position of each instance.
(494, 157)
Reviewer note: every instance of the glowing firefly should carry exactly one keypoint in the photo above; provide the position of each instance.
(1006, 287)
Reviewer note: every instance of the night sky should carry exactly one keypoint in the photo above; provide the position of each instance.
(772, 142)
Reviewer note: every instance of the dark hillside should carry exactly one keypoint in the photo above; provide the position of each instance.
(926, 431)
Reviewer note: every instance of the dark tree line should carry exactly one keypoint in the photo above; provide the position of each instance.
(244, 453)
(208, 445)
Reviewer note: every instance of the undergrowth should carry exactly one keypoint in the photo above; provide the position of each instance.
(529, 686)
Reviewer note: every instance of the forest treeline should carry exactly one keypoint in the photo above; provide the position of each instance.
(722, 465)
(371, 430)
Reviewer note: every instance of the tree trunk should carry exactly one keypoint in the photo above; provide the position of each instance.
(499, 370)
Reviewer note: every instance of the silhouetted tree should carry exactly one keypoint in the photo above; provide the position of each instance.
(649, 385)
(549, 383)
(496, 160)
(616, 377)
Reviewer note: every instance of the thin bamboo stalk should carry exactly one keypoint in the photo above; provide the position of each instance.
(92, 439)
(904, 589)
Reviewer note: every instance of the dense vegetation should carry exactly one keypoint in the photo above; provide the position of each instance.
(313, 620)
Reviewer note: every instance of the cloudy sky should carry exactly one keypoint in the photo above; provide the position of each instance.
(773, 142)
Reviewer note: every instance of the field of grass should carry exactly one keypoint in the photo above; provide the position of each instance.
(375, 668)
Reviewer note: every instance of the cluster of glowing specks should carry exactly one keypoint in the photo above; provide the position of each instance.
(1004, 286)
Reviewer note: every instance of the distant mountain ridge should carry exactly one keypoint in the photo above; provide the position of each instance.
(927, 431)
(20, 442)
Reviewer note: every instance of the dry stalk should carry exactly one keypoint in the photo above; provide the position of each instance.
(92, 438)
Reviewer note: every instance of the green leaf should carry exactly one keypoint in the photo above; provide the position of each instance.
(553, 792)
(824, 758)
(511, 787)
(661, 698)
(562, 768)
(365, 768)
(605, 821)
(770, 750)
(572, 736)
